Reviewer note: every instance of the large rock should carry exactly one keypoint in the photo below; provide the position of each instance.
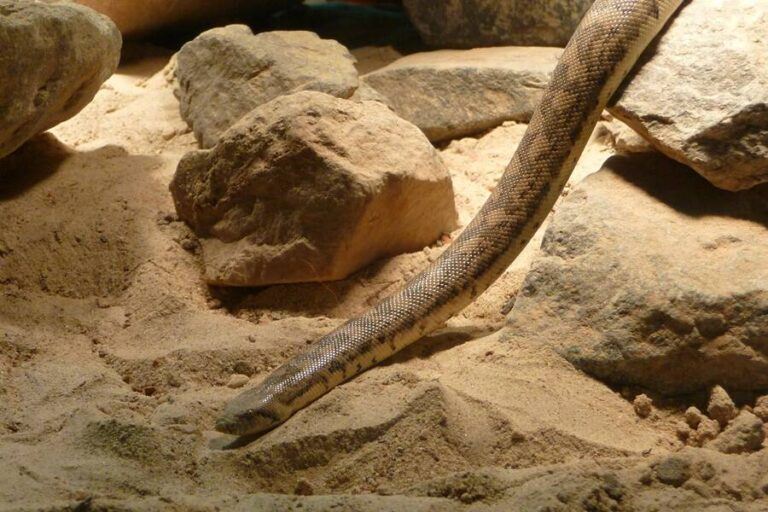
(309, 187)
(452, 93)
(226, 72)
(702, 99)
(651, 276)
(141, 16)
(53, 59)
(471, 23)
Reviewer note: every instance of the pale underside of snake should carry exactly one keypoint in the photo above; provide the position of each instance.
(605, 46)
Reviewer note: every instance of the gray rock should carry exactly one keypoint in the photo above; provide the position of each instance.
(673, 470)
(309, 187)
(702, 99)
(54, 59)
(452, 93)
(226, 72)
(651, 276)
(744, 434)
(471, 23)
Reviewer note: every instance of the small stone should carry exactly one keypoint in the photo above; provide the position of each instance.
(304, 488)
(237, 380)
(693, 417)
(720, 406)
(761, 408)
(188, 245)
(744, 434)
(706, 431)
(704, 470)
(643, 405)
(674, 470)
(683, 431)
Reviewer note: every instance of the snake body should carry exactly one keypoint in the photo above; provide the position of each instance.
(605, 46)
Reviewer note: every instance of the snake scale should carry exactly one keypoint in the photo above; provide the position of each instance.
(602, 50)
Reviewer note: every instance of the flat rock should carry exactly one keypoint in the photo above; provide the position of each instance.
(226, 72)
(452, 93)
(310, 187)
(651, 276)
(702, 98)
(141, 16)
(54, 59)
(472, 23)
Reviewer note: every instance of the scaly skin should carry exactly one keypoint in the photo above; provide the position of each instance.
(601, 52)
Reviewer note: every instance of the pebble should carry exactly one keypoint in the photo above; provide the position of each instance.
(693, 417)
(720, 406)
(673, 470)
(237, 380)
(643, 405)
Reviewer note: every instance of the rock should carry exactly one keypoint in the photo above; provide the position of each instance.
(226, 72)
(54, 59)
(452, 93)
(720, 406)
(141, 16)
(706, 431)
(693, 416)
(621, 137)
(713, 112)
(761, 408)
(642, 405)
(237, 380)
(650, 276)
(471, 23)
(674, 470)
(309, 187)
(744, 434)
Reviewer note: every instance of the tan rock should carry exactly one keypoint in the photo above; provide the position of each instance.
(237, 380)
(707, 430)
(452, 93)
(310, 187)
(53, 60)
(693, 417)
(226, 72)
(744, 434)
(720, 406)
(137, 17)
(642, 405)
(761, 408)
(701, 98)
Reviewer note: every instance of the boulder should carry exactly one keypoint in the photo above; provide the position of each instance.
(226, 72)
(53, 60)
(702, 98)
(472, 23)
(650, 276)
(453, 93)
(309, 187)
(141, 16)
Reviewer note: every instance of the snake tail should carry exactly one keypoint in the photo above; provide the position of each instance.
(609, 40)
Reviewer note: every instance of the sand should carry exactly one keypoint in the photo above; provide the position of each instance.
(115, 356)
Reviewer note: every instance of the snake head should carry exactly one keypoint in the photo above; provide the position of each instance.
(251, 412)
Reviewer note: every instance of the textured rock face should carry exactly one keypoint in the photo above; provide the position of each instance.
(226, 72)
(651, 276)
(452, 93)
(471, 23)
(744, 434)
(53, 59)
(141, 16)
(712, 115)
(310, 187)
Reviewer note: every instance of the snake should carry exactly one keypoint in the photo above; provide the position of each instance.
(605, 46)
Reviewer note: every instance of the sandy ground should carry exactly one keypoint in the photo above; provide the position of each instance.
(114, 355)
